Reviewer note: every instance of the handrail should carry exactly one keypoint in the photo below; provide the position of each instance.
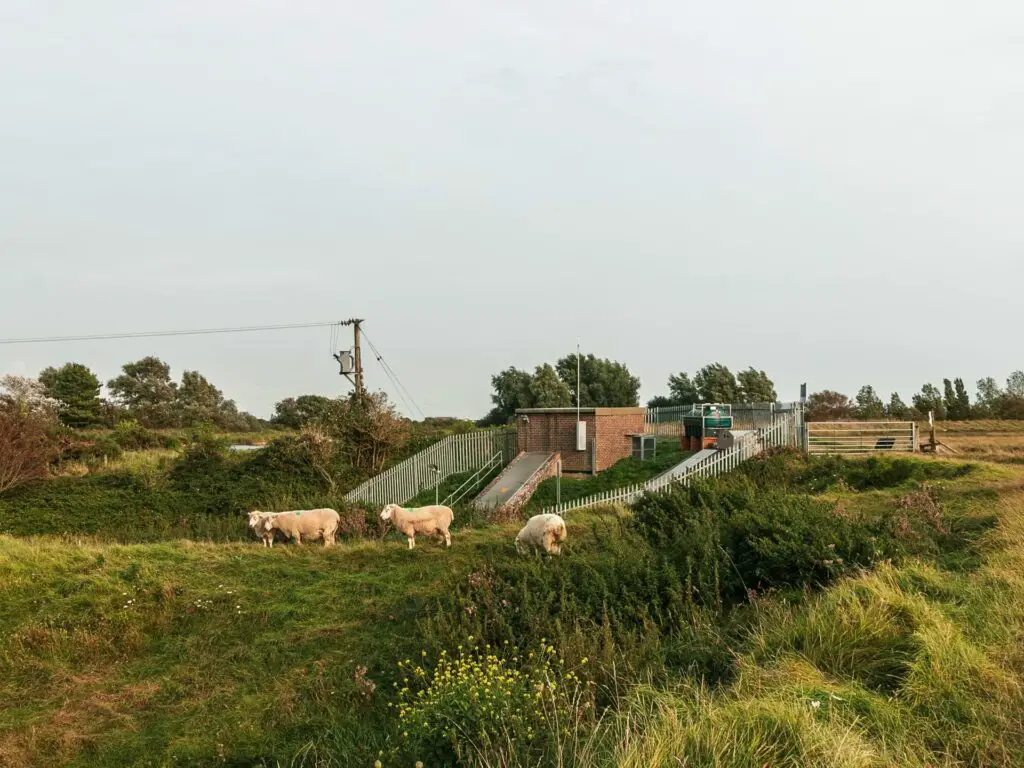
(460, 493)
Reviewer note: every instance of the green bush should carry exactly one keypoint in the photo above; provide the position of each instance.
(132, 436)
(727, 538)
(787, 468)
(93, 452)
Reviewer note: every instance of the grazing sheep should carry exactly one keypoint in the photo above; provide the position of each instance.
(429, 521)
(311, 523)
(545, 532)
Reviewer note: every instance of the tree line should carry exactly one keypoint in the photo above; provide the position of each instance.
(605, 383)
(952, 402)
(143, 392)
(602, 383)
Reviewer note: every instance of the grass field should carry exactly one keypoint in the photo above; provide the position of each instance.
(186, 653)
(985, 440)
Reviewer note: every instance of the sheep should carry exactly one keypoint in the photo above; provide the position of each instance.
(429, 521)
(311, 523)
(545, 532)
(256, 518)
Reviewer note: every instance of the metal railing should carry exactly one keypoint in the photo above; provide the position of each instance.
(450, 455)
(475, 480)
(851, 438)
(665, 420)
(783, 433)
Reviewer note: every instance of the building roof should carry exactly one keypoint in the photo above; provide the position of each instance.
(595, 411)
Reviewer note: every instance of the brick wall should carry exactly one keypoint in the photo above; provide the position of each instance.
(550, 432)
(609, 430)
(613, 435)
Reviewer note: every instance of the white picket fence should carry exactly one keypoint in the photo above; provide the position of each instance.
(451, 455)
(783, 432)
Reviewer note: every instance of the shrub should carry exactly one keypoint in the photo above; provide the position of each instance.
(787, 468)
(27, 447)
(478, 705)
(132, 436)
(93, 452)
(725, 538)
(354, 523)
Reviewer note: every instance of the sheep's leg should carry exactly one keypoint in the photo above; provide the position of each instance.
(412, 541)
(298, 538)
(447, 539)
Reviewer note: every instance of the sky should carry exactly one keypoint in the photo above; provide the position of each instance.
(829, 192)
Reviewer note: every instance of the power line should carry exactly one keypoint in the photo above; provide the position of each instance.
(400, 390)
(151, 334)
(393, 375)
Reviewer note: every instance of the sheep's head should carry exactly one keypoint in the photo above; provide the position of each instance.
(388, 511)
(254, 518)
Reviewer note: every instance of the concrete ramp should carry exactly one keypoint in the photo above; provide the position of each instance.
(687, 464)
(513, 479)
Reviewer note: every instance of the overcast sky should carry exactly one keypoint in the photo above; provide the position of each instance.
(828, 191)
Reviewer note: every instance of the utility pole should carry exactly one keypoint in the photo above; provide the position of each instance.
(357, 354)
(352, 363)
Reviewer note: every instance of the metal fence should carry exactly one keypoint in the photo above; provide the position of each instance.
(667, 420)
(851, 438)
(451, 455)
(784, 432)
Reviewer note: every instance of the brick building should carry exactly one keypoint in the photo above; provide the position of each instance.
(609, 434)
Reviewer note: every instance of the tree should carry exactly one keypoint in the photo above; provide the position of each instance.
(197, 400)
(682, 390)
(77, 390)
(963, 400)
(717, 384)
(869, 404)
(20, 394)
(365, 429)
(1015, 384)
(896, 409)
(661, 401)
(828, 405)
(546, 390)
(930, 399)
(320, 450)
(146, 390)
(949, 399)
(756, 387)
(297, 412)
(603, 383)
(27, 446)
(989, 398)
(511, 391)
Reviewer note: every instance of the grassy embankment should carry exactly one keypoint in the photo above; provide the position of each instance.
(199, 653)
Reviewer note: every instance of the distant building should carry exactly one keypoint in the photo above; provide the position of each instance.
(609, 435)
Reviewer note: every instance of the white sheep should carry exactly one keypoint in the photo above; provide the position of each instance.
(546, 532)
(256, 518)
(429, 521)
(309, 523)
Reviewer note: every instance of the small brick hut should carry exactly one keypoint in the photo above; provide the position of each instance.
(609, 434)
